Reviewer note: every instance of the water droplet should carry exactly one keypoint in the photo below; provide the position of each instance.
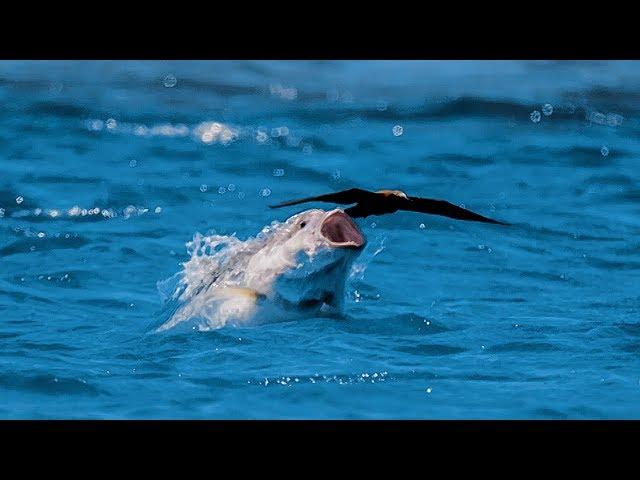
(170, 81)
(204, 187)
(547, 109)
(41, 234)
(422, 226)
(397, 130)
(429, 390)
(535, 116)
(604, 151)
(265, 192)
(158, 210)
(19, 199)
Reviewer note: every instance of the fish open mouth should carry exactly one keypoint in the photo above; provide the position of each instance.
(340, 230)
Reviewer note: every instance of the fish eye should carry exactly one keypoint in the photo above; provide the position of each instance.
(303, 224)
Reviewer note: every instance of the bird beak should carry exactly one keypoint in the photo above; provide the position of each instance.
(338, 228)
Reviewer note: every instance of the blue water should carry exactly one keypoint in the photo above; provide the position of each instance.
(447, 319)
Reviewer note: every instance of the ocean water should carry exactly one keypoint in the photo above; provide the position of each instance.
(109, 168)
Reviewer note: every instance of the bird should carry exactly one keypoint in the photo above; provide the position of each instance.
(384, 202)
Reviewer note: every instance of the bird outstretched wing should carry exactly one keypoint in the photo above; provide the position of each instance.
(390, 201)
(445, 209)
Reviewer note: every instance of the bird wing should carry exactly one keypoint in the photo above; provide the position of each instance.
(345, 197)
(390, 201)
(444, 208)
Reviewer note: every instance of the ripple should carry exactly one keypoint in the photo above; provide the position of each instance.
(47, 384)
(432, 349)
(523, 347)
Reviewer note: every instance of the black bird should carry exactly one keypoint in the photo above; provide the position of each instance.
(390, 201)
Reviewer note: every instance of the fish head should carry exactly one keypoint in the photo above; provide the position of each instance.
(322, 245)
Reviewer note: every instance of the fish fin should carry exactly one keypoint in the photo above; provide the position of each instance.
(243, 292)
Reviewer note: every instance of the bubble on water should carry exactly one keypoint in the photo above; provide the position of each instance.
(262, 136)
(397, 130)
(56, 87)
(158, 210)
(381, 106)
(240, 195)
(32, 248)
(53, 213)
(1, 212)
(37, 212)
(604, 151)
(19, 199)
(130, 210)
(41, 234)
(597, 117)
(222, 190)
(429, 390)
(307, 149)
(614, 119)
(280, 132)
(210, 132)
(422, 226)
(336, 175)
(286, 93)
(535, 116)
(111, 124)
(265, 192)
(278, 172)
(204, 187)
(170, 81)
(95, 125)
(140, 130)
(133, 163)
(231, 187)
(547, 109)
